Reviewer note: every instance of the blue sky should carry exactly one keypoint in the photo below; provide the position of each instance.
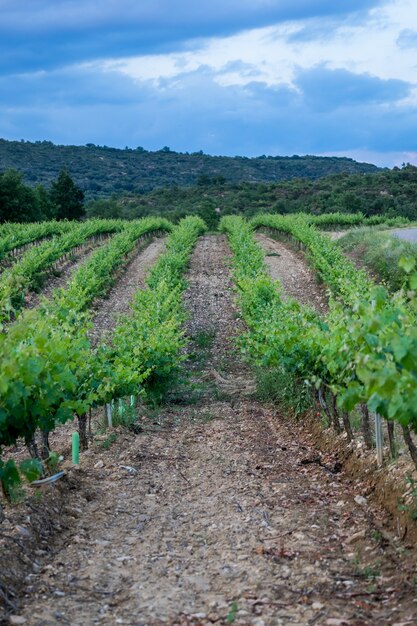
(232, 77)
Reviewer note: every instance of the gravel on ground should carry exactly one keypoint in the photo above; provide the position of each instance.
(291, 269)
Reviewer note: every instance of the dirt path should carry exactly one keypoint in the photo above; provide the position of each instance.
(120, 296)
(218, 513)
(292, 271)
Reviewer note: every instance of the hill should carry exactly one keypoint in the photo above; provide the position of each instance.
(389, 192)
(101, 171)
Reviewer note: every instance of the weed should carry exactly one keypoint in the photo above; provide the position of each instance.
(411, 505)
(207, 417)
(160, 386)
(281, 387)
(108, 441)
(204, 339)
(231, 616)
(220, 395)
(125, 414)
(366, 571)
(380, 252)
(52, 462)
(369, 572)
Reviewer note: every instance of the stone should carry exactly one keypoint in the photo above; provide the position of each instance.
(15, 620)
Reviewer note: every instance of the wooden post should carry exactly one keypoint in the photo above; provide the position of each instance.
(109, 414)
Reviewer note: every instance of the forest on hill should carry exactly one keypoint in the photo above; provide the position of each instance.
(389, 192)
(101, 171)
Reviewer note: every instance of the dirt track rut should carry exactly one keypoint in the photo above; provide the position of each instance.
(219, 512)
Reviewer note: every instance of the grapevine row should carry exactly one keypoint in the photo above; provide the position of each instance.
(45, 352)
(29, 271)
(60, 375)
(338, 219)
(28, 233)
(343, 278)
(364, 353)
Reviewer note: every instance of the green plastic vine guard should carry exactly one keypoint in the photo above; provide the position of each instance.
(75, 448)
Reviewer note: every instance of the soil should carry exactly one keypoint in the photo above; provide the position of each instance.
(131, 278)
(220, 512)
(290, 268)
(335, 234)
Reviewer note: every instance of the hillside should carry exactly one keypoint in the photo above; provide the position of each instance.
(389, 192)
(102, 171)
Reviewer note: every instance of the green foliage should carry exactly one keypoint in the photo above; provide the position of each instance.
(32, 469)
(48, 371)
(204, 339)
(108, 441)
(24, 234)
(280, 387)
(149, 342)
(66, 198)
(11, 476)
(18, 202)
(336, 201)
(10, 480)
(22, 203)
(29, 271)
(410, 506)
(329, 221)
(231, 616)
(365, 349)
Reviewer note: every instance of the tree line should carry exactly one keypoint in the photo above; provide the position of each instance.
(392, 193)
(21, 203)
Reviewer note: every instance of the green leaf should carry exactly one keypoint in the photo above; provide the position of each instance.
(31, 469)
(408, 264)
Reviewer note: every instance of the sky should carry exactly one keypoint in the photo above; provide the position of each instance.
(229, 77)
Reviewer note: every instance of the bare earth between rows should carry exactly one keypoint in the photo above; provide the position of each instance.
(292, 271)
(218, 512)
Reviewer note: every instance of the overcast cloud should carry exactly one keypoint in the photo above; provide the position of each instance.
(247, 77)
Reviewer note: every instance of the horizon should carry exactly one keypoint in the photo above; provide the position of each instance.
(169, 150)
(266, 77)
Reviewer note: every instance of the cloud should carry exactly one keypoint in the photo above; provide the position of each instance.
(300, 76)
(51, 33)
(407, 38)
(193, 111)
(326, 90)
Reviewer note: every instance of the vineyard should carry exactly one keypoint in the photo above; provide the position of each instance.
(245, 407)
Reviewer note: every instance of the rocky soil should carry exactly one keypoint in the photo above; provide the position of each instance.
(290, 268)
(131, 279)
